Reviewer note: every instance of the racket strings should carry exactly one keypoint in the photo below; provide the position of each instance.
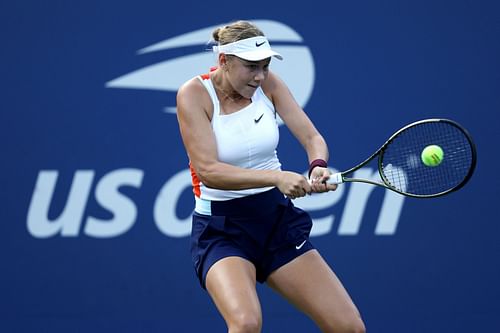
(403, 169)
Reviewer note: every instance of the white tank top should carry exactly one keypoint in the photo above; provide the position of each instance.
(247, 139)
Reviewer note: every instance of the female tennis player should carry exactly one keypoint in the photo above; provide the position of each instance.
(245, 227)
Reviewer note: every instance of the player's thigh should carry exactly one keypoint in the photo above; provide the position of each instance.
(311, 285)
(231, 284)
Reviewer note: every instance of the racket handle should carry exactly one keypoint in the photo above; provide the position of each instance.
(335, 178)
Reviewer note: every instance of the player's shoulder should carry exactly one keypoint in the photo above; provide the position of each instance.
(191, 87)
(193, 91)
(193, 96)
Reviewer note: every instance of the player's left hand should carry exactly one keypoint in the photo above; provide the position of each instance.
(319, 176)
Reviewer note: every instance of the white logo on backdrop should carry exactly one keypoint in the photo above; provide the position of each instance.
(297, 70)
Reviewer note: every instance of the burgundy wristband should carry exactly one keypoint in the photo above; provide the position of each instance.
(318, 162)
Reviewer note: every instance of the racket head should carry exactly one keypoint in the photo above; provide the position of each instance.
(402, 170)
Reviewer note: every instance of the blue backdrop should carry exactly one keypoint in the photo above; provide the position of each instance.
(95, 197)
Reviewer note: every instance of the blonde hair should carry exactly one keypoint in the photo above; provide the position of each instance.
(235, 31)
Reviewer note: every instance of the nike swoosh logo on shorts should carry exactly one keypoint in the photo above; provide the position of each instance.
(298, 247)
(258, 119)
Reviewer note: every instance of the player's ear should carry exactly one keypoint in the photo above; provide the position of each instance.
(223, 61)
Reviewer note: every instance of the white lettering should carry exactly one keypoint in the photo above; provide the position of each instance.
(356, 206)
(164, 210)
(123, 209)
(356, 203)
(390, 213)
(69, 221)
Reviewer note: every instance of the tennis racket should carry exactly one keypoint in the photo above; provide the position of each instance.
(401, 167)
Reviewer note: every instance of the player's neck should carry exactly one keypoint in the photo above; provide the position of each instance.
(225, 90)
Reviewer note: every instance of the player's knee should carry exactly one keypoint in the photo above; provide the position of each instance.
(245, 323)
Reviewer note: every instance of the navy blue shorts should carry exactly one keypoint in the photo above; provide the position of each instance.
(265, 228)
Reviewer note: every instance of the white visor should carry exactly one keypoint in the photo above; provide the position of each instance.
(251, 49)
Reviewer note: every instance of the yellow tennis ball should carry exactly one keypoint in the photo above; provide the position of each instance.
(432, 155)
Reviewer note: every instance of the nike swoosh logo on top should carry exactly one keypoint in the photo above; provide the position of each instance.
(260, 44)
(298, 247)
(258, 119)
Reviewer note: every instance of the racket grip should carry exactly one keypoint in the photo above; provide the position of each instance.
(335, 178)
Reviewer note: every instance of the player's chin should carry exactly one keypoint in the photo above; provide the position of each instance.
(251, 88)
